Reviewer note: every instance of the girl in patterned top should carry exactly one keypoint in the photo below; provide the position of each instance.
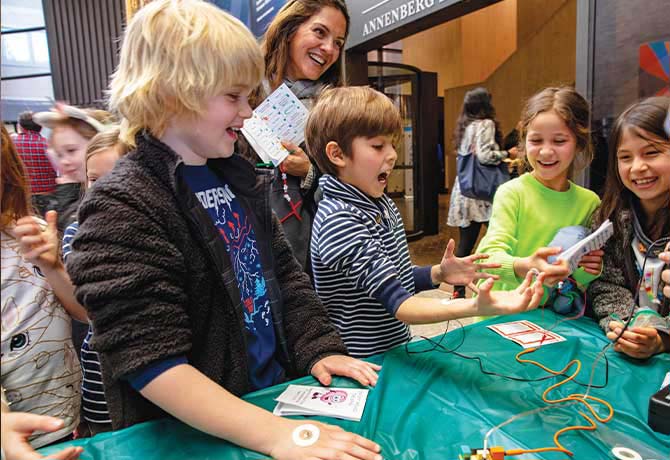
(40, 373)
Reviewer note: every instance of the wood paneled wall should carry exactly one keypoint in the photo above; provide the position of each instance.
(468, 49)
(83, 38)
(545, 58)
(489, 37)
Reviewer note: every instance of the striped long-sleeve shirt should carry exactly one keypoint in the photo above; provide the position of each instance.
(362, 268)
(94, 404)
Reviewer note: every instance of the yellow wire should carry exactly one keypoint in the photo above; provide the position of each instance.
(582, 398)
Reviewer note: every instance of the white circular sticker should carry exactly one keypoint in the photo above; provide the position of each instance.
(624, 453)
(306, 435)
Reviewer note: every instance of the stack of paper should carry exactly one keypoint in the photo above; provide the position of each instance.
(344, 403)
(595, 240)
(526, 334)
(280, 117)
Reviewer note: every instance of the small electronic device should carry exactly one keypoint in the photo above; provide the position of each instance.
(493, 453)
(659, 411)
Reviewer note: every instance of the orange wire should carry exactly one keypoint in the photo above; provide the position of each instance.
(582, 398)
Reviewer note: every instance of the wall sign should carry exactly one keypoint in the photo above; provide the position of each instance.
(371, 18)
(256, 14)
(654, 72)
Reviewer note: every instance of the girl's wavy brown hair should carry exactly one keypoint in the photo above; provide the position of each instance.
(573, 109)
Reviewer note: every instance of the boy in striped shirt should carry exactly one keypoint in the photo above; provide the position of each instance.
(362, 269)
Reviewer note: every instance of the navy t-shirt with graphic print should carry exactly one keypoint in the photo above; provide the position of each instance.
(235, 228)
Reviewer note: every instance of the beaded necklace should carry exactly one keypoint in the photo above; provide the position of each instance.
(295, 207)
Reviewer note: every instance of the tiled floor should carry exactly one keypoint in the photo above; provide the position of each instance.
(428, 251)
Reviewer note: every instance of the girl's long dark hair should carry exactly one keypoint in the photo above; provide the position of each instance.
(476, 106)
(646, 119)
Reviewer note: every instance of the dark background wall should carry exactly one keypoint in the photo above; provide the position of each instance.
(83, 40)
(621, 26)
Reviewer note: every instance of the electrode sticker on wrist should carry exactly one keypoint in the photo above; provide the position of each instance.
(306, 435)
(624, 453)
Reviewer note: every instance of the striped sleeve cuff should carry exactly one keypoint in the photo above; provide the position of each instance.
(391, 295)
(422, 278)
(140, 379)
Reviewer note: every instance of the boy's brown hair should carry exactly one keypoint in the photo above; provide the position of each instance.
(343, 114)
(573, 109)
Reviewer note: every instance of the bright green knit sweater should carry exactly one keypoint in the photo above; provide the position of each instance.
(526, 216)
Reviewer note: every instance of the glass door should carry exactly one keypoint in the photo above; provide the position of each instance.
(400, 83)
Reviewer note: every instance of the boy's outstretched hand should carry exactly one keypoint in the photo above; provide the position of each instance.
(526, 297)
(333, 443)
(460, 270)
(346, 366)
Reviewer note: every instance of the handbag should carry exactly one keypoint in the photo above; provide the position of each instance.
(477, 180)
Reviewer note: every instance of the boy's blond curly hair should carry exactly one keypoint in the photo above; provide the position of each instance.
(176, 55)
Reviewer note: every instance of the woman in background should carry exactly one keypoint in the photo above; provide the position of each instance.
(477, 132)
(303, 49)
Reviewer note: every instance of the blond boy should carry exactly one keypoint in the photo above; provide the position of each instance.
(362, 269)
(181, 263)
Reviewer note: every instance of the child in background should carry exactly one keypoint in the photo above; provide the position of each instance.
(102, 153)
(529, 211)
(72, 129)
(362, 269)
(193, 291)
(637, 201)
(40, 372)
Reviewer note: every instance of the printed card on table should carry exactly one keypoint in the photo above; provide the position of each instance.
(345, 403)
(281, 116)
(526, 334)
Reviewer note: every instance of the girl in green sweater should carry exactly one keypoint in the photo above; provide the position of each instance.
(528, 211)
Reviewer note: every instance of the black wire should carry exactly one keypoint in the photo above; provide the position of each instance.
(437, 346)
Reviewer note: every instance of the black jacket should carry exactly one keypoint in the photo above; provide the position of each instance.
(156, 279)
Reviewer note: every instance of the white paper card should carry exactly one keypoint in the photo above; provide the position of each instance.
(526, 333)
(593, 241)
(281, 116)
(345, 403)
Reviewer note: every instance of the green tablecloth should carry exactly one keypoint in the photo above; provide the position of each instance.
(425, 406)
